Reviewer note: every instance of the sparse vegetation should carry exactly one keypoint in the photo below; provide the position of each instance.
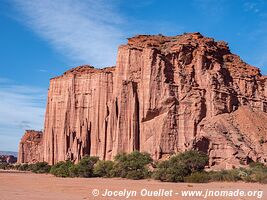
(198, 177)
(4, 166)
(40, 167)
(167, 171)
(226, 175)
(183, 167)
(180, 166)
(61, 169)
(23, 167)
(132, 166)
(84, 168)
(103, 168)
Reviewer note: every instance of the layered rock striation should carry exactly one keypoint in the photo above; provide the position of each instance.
(77, 114)
(31, 147)
(165, 95)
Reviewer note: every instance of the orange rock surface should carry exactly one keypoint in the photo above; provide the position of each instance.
(31, 147)
(165, 95)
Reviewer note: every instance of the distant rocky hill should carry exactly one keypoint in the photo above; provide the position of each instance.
(12, 153)
(8, 157)
(165, 95)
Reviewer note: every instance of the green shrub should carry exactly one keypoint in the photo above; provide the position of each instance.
(40, 167)
(257, 165)
(198, 177)
(23, 167)
(4, 166)
(194, 160)
(229, 175)
(61, 169)
(132, 166)
(67, 169)
(181, 165)
(168, 172)
(85, 168)
(103, 168)
(73, 171)
(30, 167)
(16, 166)
(257, 173)
(260, 177)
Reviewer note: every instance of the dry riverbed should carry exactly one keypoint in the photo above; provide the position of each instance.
(29, 186)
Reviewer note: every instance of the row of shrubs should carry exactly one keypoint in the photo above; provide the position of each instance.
(131, 166)
(183, 167)
(39, 167)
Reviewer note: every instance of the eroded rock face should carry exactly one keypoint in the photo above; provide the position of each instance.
(77, 114)
(234, 139)
(165, 95)
(31, 147)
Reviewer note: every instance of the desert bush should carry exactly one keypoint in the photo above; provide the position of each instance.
(229, 175)
(257, 173)
(224, 175)
(40, 167)
(260, 177)
(85, 168)
(61, 169)
(67, 169)
(23, 167)
(16, 166)
(194, 160)
(4, 166)
(73, 171)
(257, 166)
(132, 166)
(168, 172)
(103, 168)
(181, 165)
(11, 166)
(30, 167)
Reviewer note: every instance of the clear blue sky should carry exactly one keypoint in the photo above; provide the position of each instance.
(42, 39)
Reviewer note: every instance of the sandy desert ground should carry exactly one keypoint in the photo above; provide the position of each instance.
(29, 186)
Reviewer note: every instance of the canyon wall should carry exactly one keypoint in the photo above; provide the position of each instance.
(77, 113)
(165, 95)
(31, 147)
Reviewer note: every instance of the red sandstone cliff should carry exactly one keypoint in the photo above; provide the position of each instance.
(31, 147)
(76, 114)
(165, 95)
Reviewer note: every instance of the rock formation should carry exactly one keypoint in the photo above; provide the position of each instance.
(165, 95)
(31, 147)
(10, 159)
